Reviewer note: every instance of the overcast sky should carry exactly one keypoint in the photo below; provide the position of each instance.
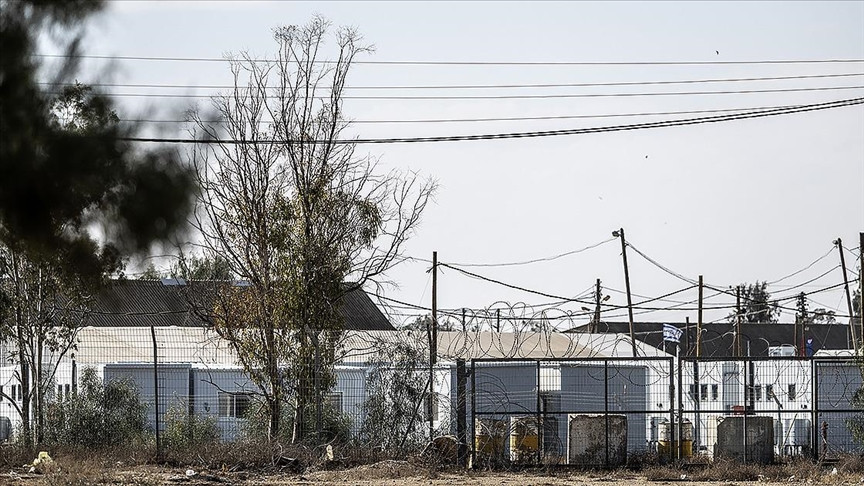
(735, 201)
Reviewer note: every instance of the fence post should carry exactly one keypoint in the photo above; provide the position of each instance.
(473, 415)
(461, 413)
(537, 423)
(680, 411)
(605, 407)
(156, 394)
(814, 409)
(697, 428)
(672, 434)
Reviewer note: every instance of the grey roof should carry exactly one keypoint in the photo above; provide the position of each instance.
(717, 338)
(145, 303)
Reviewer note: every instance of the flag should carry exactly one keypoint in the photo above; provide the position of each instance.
(672, 333)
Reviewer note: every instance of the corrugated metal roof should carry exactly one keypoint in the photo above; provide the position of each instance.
(198, 345)
(145, 303)
(718, 338)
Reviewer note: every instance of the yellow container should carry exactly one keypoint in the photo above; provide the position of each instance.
(524, 439)
(490, 437)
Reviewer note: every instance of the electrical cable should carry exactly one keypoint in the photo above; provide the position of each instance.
(470, 63)
(516, 135)
(507, 97)
(485, 86)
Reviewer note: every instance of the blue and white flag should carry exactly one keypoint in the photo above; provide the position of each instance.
(672, 333)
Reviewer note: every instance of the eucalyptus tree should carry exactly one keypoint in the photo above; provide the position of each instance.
(300, 217)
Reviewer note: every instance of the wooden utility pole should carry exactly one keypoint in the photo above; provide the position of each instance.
(861, 284)
(595, 322)
(855, 338)
(737, 321)
(433, 344)
(620, 233)
(699, 322)
(463, 321)
(498, 320)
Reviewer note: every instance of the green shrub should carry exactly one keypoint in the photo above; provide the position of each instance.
(97, 415)
(335, 425)
(183, 430)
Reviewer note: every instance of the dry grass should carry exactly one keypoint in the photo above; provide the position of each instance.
(850, 469)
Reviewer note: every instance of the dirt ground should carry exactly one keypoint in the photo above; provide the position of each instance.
(383, 473)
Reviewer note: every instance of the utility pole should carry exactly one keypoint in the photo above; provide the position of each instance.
(699, 323)
(861, 284)
(855, 339)
(498, 320)
(620, 233)
(596, 321)
(738, 321)
(463, 320)
(433, 344)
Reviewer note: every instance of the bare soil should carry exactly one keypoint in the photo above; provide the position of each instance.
(389, 472)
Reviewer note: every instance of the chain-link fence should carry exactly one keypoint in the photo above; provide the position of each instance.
(172, 388)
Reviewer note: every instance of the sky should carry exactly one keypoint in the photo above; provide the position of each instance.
(736, 202)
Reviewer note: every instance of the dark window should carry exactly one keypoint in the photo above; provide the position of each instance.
(792, 394)
(758, 393)
(769, 392)
(693, 392)
(715, 392)
(233, 404)
(703, 392)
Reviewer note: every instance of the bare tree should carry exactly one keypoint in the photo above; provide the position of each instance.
(296, 213)
(43, 306)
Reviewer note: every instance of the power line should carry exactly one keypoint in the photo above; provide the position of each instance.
(489, 86)
(515, 135)
(535, 260)
(470, 63)
(513, 97)
(518, 118)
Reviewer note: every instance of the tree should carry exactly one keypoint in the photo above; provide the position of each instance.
(756, 305)
(295, 213)
(191, 267)
(67, 165)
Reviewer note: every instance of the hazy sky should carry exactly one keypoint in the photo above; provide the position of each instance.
(735, 201)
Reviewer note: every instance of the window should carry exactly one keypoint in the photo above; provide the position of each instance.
(59, 392)
(758, 389)
(233, 404)
(792, 394)
(67, 390)
(769, 392)
(703, 392)
(715, 392)
(693, 392)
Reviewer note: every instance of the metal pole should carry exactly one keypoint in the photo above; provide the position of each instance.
(605, 408)
(433, 344)
(856, 340)
(539, 419)
(461, 412)
(156, 393)
(814, 410)
(699, 322)
(620, 233)
(473, 437)
(737, 347)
